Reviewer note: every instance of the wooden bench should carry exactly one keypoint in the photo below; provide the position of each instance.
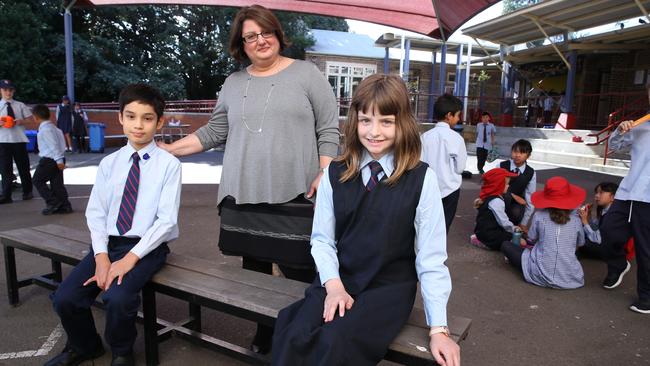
(245, 294)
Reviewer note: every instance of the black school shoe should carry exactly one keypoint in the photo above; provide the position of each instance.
(28, 196)
(614, 279)
(124, 360)
(68, 357)
(642, 307)
(63, 210)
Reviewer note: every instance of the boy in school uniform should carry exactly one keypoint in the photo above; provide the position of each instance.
(445, 152)
(51, 149)
(485, 132)
(518, 203)
(629, 215)
(13, 143)
(132, 215)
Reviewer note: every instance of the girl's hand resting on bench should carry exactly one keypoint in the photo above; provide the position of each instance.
(337, 298)
(445, 351)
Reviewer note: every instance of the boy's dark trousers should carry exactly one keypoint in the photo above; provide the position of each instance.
(481, 157)
(625, 219)
(10, 152)
(56, 195)
(449, 206)
(72, 300)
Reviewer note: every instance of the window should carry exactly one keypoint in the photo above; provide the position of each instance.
(344, 79)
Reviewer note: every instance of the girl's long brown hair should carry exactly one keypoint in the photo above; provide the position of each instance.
(388, 94)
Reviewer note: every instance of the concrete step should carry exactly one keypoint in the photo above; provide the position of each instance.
(609, 169)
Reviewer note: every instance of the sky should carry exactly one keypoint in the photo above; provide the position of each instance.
(374, 31)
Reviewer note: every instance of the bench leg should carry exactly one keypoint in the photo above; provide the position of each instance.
(57, 272)
(195, 314)
(150, 325)
(12, 276)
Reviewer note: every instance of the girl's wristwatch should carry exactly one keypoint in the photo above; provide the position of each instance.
(435, 330)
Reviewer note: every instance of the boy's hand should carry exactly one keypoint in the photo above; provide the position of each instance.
(337, 298)
(61, 166)
(444, 350)
(625, 126)
(518, 199)
(102, 265)
(120, 268)
(583, 212)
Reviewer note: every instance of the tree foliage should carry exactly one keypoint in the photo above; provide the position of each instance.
(182, 50)
(511, 5)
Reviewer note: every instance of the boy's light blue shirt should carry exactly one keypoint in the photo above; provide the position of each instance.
(156, 211)
(430, 239)
(51, 143)
(636, 184)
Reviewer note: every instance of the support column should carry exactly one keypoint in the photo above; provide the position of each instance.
(468, 67)
(567, 117)
(407, 54)
(386, 61)
(432, 88)
(69, 61)
(459, 56)
(443, 68)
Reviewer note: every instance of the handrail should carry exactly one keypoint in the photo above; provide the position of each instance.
(614, 119)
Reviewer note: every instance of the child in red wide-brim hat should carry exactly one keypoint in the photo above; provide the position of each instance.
(493, 227)
(557, 231)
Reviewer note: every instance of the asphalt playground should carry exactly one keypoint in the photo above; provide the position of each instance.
(514, 323)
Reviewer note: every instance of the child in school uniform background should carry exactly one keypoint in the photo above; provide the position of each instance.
(493, 227)
(445, 152)
(557, 232)
(592, 216)
(485, 132)
(132, 215)
(518, 204)
(378, 228)
(629, 215)
(51, 149)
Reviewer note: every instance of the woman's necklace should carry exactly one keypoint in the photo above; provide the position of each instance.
(243, 107)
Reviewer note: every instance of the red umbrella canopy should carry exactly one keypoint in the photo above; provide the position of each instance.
(420, 16)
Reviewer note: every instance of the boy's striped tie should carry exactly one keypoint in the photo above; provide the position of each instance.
(129, 197)
(375, 169)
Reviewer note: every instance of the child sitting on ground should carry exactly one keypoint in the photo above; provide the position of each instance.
(591, 218)
(557, 231)
(518, 205)
(492, 224)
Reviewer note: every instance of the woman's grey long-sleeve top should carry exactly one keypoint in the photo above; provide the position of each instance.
(296, 112)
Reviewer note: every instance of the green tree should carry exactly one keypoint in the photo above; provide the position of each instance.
(511, 5)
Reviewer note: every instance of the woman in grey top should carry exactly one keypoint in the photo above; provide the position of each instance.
(279, 121)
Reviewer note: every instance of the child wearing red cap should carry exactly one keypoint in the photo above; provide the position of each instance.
(557, 231)
(492, 224)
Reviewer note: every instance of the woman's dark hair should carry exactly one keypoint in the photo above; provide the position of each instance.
(559, 216)
(264, 18)
(523, 146)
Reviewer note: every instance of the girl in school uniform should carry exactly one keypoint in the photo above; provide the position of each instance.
(493, 226)
(557, 231)
(378, 229)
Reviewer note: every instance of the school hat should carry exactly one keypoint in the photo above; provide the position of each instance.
(559, 193)
(494, 182)
(6, 84)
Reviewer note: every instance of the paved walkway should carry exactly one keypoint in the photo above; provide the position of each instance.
(514, 323)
